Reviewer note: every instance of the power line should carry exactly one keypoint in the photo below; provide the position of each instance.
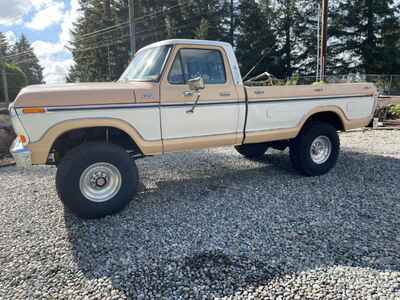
(105, 29)
(18, 54)
(124, 24)
(161, 11)
(142, 34)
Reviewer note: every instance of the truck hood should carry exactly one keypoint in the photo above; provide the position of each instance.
(81, 94)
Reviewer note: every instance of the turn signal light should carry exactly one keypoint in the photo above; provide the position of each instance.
(33, 110)
(22, 139)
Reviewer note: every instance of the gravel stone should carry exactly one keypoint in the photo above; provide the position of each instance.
(213, 225)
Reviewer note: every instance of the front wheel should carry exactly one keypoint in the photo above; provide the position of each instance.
(316, 150)
(96, 179)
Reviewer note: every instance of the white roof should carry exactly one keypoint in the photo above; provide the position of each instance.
(189, 42)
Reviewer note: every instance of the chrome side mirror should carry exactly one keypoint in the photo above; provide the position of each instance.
(196, 84)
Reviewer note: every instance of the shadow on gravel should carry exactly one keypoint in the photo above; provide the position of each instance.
(238, 225)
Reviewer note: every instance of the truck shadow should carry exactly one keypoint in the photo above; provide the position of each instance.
(224, 221)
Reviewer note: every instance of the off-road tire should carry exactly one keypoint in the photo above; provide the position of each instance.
(74, 164)
(252, 151)
(300, 149)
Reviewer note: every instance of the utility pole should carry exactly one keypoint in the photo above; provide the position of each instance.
(232, 29)
(324, 38)
(4, 79)
(132, 27)
(318, 41)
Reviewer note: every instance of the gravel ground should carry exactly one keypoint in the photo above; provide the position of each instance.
(211, 224)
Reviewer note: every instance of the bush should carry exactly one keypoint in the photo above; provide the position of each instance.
(16, 80)
(395, 111)
(6, 134)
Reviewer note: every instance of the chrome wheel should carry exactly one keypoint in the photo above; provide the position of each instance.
(321, 149)
(100, 182)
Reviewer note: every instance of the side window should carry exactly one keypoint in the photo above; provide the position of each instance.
(176, 76)
(192, 63)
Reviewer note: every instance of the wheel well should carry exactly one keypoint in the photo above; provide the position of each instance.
(329, 117)
(76, 137)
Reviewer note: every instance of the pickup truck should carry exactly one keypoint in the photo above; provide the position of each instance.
(175, 95)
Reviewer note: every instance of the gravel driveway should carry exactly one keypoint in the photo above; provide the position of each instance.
(211, 224)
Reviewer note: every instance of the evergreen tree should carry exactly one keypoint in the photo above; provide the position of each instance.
(287, 18)
(4, 46)
(16, 81)
(103, 55)
(251, 45)
(27, 61)
(97, 54)
(304, 55)
(367, 34)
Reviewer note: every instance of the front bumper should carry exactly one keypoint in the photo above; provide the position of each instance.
(21, 154)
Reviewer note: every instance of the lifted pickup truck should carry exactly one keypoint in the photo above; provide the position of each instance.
(176, 95)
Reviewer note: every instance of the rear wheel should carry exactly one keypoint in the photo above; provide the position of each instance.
(96, 179)
(252, 151)
(316, 150)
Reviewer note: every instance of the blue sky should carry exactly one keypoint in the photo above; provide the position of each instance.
(47, 25)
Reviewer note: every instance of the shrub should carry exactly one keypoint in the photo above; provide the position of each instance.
(16, 80)
(395, 111)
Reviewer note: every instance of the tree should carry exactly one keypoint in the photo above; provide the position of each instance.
(253, 46)
(27, 61)
(101, 36)
(4, 46)
(16, 81)
(98, 53)
(367, 34)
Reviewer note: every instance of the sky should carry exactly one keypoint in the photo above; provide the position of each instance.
(47, 25)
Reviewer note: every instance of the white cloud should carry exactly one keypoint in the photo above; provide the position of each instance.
(44, 49)
(70, 17)
(50, 15)
(11, 12)
(11, 37)
(57, 72)
(39, 4)
(55, 60)
(54, 57)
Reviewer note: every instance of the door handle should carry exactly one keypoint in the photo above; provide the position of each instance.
(188, 93)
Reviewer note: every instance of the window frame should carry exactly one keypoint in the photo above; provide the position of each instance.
(182, 67)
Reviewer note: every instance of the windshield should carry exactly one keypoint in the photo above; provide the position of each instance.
(146, 65)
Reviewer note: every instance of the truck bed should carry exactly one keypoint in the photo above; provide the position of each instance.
(284, 109)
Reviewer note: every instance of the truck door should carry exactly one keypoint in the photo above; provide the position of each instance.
(214, 121)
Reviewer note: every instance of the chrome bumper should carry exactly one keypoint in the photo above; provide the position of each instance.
(21, 154)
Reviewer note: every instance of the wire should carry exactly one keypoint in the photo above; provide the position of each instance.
(104, 29)
(161, 11)
(18, 54)
(124, 24)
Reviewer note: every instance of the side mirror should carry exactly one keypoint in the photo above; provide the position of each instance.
(196, 84)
